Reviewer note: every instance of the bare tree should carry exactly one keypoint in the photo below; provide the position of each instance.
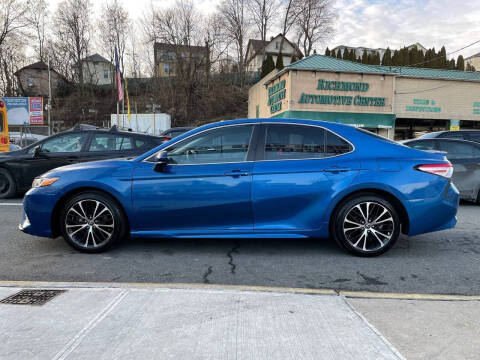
(289, 18)
(234, 20)
(263, 13)
(113, 28)
(12, 58)
(72, 32)
(37, 16)
(314, 22)
(12, 18)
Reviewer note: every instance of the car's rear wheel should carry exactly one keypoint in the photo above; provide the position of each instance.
(366, 225)
(92, 222)
(8, 188)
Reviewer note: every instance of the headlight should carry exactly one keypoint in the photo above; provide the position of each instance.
(41, 182)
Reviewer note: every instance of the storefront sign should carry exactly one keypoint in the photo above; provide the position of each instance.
(476, 108)
(342, 86)
(423, 105)
(276, 94)
(342, 99)
(454, 125)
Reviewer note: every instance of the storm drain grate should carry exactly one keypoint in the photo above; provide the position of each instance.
(31, 297)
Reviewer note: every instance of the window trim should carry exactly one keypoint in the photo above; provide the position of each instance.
(255, 125)
(261, 145)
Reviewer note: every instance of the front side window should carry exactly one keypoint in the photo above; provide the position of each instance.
(63, 143)
(286, 142)
(226, 144)
(110, 142)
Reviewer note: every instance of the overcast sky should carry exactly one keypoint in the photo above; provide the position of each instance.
(380, 23)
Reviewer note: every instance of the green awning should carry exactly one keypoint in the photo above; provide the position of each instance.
(366, 120)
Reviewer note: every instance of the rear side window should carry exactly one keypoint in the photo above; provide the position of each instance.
(336, 145)
(284, 142)
(457, 149)
(292, 142)
(110, 142)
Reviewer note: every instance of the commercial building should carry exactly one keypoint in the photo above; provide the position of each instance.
(398, 102)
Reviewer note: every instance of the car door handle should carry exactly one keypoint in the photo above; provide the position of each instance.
(336, 169)
(236, 173)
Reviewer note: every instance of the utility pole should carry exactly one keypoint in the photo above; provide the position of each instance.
(49, 105)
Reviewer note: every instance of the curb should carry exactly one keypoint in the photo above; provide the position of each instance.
(193, 286)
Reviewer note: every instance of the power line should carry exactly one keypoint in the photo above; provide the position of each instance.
(450, 53)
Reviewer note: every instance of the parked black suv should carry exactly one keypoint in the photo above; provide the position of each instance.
(82, 143)
(471, 135)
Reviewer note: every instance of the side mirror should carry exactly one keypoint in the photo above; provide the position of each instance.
(36, 151)
(161, 160)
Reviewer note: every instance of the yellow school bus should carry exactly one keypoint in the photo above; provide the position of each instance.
(4, 140)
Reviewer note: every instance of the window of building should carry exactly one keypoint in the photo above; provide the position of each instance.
(226, 144)
(105, 74)
(30, 82)
(166, 68)
(277, 45)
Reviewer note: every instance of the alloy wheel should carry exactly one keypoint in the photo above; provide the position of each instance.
(368, 226)
(89, 223)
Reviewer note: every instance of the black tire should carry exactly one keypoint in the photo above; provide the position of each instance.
(363, 238)
(91, 236)
(8, 188)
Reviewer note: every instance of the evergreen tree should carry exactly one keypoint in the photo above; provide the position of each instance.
(451, 64)
(443, 62)
(327, 52)
(339, 54)
(294, 59)
(279, 64)
(346, 54)
(353, 57)
(268, 65)
(387, 58)
(395, 58)
(364, 57)
(376, 59)
(460, 63)
(369, 59)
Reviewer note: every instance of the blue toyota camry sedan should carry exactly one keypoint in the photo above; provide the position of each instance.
(256, 178)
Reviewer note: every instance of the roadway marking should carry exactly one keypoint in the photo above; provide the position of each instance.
(11, 204)
(194, 286)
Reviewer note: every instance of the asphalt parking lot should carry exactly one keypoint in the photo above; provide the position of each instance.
(446, 262)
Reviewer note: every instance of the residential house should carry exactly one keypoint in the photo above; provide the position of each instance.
(169, 56)
(359, 50)
(33, 79)
(474, 61)
(256, 48)
(97, 70)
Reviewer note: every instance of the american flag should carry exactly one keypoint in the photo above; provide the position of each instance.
(119, 77)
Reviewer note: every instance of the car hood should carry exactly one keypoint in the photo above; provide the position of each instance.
(93, 167)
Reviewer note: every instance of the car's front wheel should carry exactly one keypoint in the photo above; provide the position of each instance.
(92, 222)
(366, 225)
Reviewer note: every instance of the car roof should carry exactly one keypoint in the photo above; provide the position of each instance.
(443, 139)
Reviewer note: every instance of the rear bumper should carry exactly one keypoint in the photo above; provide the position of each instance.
(434, 214)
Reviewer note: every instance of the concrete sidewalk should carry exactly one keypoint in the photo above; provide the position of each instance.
(195, 322)
(150, 323)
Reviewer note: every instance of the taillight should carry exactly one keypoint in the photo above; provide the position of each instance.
(168, 138)
(4, 140)
(1, 104)
(445, 169)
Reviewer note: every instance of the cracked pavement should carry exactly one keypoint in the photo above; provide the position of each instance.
(446, 262)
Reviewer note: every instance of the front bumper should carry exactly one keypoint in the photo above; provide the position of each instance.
(38, 206)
